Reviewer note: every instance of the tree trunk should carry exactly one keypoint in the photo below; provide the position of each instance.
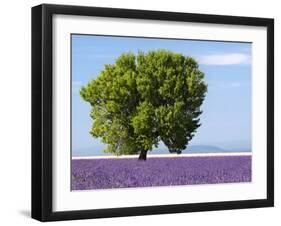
(142, 155)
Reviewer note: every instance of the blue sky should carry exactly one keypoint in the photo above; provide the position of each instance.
(226, 118)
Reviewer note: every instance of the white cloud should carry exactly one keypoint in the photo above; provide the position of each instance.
(94, 55)
(76, 86)
(226, 85)
(225, 59)
(235, 84)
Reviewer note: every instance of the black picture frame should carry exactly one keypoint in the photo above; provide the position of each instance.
(42, 111)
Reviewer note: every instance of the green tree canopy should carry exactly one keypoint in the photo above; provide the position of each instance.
(146, 98)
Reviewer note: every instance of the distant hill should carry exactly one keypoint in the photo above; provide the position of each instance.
(97, 150)
(212, 149)
(202, 149)
(192, 149)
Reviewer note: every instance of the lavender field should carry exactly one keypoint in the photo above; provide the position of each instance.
(158, 171)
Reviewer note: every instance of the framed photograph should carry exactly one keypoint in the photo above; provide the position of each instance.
(146, 112)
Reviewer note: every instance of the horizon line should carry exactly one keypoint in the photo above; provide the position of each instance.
(164, 155)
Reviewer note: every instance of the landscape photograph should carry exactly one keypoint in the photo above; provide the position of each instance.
(150, 112)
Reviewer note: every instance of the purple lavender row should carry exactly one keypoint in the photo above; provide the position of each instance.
(90, 174)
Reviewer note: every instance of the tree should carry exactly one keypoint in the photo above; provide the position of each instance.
(146, 98)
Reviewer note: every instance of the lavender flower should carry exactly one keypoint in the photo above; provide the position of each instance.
(90, 174)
